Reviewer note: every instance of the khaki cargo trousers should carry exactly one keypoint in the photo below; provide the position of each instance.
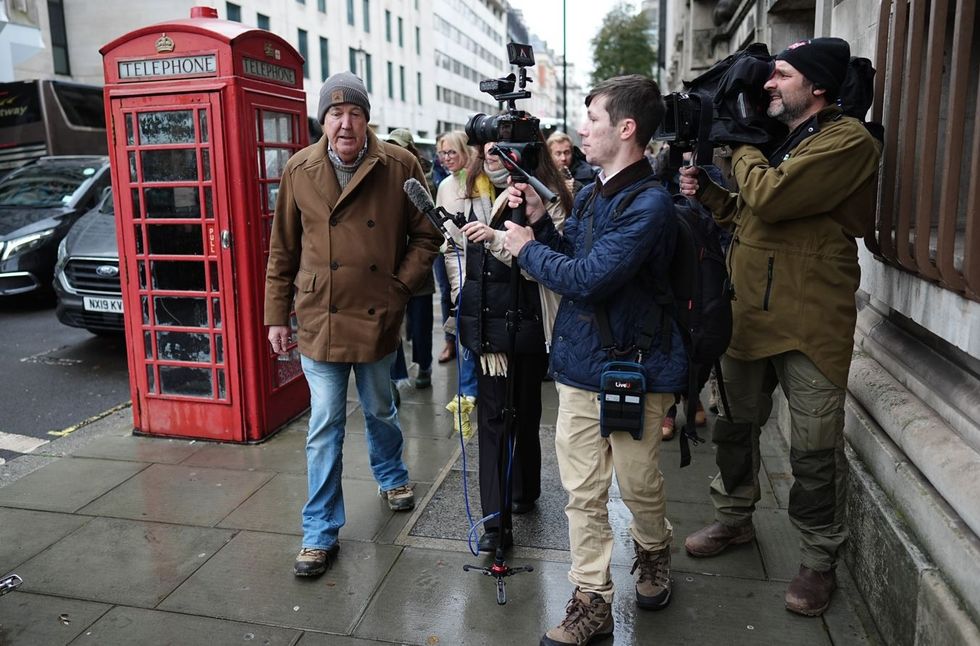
(816, 406)
(585, 463)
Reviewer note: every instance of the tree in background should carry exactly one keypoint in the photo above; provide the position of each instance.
(622, 45)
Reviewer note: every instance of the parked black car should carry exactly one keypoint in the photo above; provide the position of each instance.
(86, 277)
(39, 203)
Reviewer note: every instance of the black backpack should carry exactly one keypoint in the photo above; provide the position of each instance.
(696, 294)
(701, 305)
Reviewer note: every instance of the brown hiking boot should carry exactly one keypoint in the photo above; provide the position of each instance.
(314, 562)
(714, 538)
(810, 591)
(400, 498)
(653, 583)
(588, 619)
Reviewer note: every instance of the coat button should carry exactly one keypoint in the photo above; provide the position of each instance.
(373, 268)
(561, 338)
(333, 309)
(371, 311)
(334, 266)
(370, 223)
(333, 222)
(486, 309)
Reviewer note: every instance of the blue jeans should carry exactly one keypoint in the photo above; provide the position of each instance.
(466, 363)
(323, 514)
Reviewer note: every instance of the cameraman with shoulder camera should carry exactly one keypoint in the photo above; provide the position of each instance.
(794, 269)
(603, 267)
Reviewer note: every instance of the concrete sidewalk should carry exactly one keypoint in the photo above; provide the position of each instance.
(128, 540)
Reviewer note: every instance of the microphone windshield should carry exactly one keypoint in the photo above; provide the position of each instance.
(418, 195)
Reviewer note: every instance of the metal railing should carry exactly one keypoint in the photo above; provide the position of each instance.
(927, 96)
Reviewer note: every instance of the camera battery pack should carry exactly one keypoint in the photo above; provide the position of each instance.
(621, 395)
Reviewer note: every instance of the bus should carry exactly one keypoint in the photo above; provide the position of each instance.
(39, 118)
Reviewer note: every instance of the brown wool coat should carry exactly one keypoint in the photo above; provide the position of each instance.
(793, 259)
(353, 257)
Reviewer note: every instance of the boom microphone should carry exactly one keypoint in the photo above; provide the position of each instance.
(420, 199)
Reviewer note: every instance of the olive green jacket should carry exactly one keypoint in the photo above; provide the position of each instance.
(793, 259)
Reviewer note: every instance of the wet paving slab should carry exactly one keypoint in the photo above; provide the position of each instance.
(251, 580)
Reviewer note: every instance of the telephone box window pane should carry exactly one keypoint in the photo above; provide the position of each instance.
(174, 165)
(184, 346)
(173, 202)
(193, 382)
(203, 119)
(208, 210)
(273, 190)
(138, 234)
(221, 385)
(150, 381)
(216, 311)
(288, 367)
(276, 127)
(144, 302)
(136, 203)
(132, 167)
(129, 130)
(206, 164)
(175, 127)
(215, 283)
(141, 269)
(219, 349)
(175, 239)
(177, 275)
(181, 311)
(148, 345)
(275, 161)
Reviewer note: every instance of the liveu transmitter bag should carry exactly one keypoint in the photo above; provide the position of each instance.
(621, 392)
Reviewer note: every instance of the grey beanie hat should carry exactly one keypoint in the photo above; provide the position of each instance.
(343, 87)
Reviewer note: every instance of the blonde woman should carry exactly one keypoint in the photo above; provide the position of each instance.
(454, 155)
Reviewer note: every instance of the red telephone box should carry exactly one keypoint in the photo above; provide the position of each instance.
(204, 114)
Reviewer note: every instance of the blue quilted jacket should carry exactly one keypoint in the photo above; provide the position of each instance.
(618, 271)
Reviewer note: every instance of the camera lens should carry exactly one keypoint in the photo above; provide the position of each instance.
(482, 128)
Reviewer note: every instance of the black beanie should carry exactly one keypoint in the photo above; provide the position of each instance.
(822, 60)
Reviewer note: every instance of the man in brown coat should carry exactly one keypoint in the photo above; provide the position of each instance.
(794, 269)
(351, 248)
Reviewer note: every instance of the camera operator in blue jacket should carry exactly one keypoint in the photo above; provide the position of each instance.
(615, 269)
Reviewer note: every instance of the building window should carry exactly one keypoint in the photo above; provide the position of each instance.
(387, 25)
(367, 16)
(418, 86)
(301, 1)
(368, 80)
(233, 12)
(59, 37)
(262, 22)
(352, 53)
(401, 33)
(391, 81)
(418, 41)
(350, 12)
(321, 6)
(401, 81)
(304, 51)
(324, 58)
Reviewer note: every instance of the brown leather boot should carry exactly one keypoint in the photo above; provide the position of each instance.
(809, 592)
(714, 538)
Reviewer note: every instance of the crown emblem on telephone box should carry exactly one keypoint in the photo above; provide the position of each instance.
(164, 44)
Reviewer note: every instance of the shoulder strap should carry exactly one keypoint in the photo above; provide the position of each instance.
(645, 338)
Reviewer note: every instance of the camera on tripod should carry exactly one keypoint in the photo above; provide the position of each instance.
(516, 133)
(514, 126)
